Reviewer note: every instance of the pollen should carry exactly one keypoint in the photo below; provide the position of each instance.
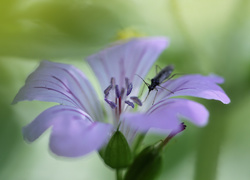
(128, 33)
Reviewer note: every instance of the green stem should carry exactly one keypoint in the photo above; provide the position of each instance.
(138, 142)
(118, 174)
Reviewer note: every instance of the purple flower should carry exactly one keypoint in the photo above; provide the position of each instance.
(83, 123)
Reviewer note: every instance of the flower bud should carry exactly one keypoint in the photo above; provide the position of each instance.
(118, 154)
(147, 165)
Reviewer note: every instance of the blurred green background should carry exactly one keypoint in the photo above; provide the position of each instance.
(206, 37)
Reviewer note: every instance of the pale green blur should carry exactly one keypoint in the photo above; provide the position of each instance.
(206, 37)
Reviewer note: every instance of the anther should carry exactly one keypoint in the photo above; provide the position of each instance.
(106, 91)
(136, 100)
(122, 92)
(110, 103)
(126, 82)
(112, 82)
(130, 104)
(129, 88)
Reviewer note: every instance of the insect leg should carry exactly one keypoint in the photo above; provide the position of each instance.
(173, 76)
(142, 90)
(166, 89)
(155, 96)
(157, 67)
(146, 97)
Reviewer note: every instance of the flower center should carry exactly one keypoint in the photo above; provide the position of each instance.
(119, 98)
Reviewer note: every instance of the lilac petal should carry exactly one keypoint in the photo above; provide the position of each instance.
(165, 115)
(125, 60)
(73, 139)
(73, 131)
(142, 123)
(61, 83)
(194, 85)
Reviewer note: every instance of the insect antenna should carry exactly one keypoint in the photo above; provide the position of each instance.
(145, 83)
(142, 79)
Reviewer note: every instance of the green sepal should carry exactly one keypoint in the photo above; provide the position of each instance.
(118, 154)
(147, 165)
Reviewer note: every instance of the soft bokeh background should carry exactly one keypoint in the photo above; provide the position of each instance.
(206, 36)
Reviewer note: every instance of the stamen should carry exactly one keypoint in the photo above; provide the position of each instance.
(129, 88)
(111, 104)
(126, 82)
(106, 91)
(136, 100)
(117, 92)
(112, 82)
(130, 104)
(122, 92)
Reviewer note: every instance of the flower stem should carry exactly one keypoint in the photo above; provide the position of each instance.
(165, 141)
(118, 174)
(138, 142)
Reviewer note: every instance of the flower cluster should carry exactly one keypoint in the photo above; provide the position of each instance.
(83, 123)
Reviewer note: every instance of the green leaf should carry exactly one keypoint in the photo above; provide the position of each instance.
(147, 165)
(118, 154)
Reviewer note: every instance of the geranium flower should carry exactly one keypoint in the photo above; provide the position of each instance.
(80, 125)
